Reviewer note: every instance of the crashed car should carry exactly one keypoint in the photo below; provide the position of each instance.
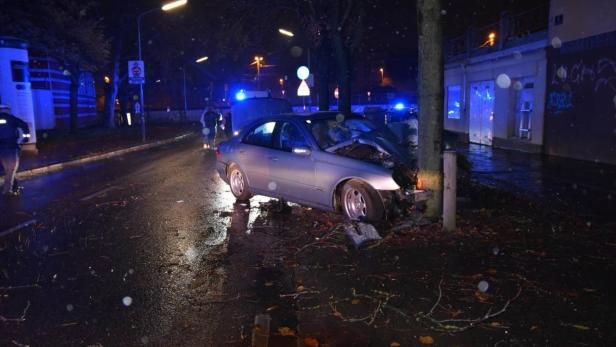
(323, 160)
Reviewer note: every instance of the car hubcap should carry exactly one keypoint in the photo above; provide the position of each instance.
(237, 182)
(355, 204)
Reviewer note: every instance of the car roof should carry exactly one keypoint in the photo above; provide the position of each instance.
(321, 115)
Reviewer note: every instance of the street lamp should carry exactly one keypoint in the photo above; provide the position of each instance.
(286, 32)
(173, 5)
(166, 7)
(258, 62)
(382, 71)
(202, 59)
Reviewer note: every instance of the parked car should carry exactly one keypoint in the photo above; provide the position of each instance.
(320, 160)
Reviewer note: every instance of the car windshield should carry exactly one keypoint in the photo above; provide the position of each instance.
(330, 132)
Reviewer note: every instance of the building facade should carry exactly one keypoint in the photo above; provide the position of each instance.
(495, 80)
(37, 88)
(581, 80)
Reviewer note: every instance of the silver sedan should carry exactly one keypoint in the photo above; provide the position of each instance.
(323, 160)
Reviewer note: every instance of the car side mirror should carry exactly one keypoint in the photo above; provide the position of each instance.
(302, 151)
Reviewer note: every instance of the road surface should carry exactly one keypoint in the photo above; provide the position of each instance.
(114, 253)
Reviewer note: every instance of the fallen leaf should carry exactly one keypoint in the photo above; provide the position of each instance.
(311, 342)
(496, 325)
(300, 288)
(534, 327)
(491, 271)
(268, 284)
(355, 301)
(394, 344)
(426, 340)
(455, 313)
(286, 331)
(581, 327)
(271, 308)
(482, 297)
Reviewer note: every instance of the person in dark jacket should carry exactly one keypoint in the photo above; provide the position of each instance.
(10, 139)
(209, 121)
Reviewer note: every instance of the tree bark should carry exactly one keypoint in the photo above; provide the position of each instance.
(430, 80)
(111, 92)
(74, 101)
(323, 54)
(341, 52)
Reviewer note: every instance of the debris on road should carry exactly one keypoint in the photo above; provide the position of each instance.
(360, 233)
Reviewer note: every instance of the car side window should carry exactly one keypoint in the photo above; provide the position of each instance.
(262, 135)
(289, 137)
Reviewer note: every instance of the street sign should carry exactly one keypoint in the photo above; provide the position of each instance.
(303, 72)
(136, 72)
(303, 89)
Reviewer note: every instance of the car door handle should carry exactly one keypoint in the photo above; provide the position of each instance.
(273, 158)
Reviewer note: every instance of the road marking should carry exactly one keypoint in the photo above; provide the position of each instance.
(17, 227)
(99, 193)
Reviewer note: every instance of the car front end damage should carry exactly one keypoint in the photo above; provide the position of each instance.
(403, 170)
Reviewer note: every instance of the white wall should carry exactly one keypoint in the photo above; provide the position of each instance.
(17, 94)
(582, 18)
(517, 64)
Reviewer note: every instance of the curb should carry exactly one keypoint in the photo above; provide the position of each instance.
(59, 166)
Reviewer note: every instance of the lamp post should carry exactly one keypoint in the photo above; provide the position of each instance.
(258, 62)
(166, 7)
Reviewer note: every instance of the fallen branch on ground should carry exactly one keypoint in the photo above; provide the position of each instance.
(18, 319)
(295, 295)
(459, 325)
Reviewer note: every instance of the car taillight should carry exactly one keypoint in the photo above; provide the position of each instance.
(218, 154)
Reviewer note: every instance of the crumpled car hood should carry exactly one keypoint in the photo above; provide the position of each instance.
(380, 143)
(380, 151)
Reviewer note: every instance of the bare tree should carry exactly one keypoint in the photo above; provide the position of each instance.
(429, 27)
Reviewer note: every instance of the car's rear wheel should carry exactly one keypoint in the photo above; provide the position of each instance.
(238, 183)
(360, 202)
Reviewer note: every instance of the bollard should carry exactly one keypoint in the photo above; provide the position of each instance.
(450, 190)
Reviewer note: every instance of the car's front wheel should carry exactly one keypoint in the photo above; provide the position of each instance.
(238, 183)
(360, 202)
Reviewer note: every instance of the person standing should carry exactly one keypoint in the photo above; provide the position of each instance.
(209, 121)
(10, 138)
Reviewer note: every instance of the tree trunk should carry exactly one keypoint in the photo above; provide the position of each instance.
(430, 103)
(344, 76)
(323, 54)
(74, 101)
(111, 92)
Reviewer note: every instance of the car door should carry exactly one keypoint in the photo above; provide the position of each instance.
(254, 151)
(292, 169)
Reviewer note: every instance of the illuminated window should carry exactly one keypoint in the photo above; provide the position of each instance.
(19, 71)
(453, 101)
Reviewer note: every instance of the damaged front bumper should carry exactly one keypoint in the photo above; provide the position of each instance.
(397, 202)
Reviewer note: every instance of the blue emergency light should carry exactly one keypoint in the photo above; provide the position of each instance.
(240, 96)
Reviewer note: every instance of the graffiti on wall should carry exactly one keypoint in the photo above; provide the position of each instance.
(560, 101)
(600, 74)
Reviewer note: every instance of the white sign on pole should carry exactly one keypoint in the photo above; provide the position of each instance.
(136, 72)
(303, 72)
(303, 89)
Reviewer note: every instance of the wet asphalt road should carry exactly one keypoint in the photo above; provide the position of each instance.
(119, 253)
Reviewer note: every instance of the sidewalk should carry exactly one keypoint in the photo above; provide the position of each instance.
(587, 188)
(56, 147)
